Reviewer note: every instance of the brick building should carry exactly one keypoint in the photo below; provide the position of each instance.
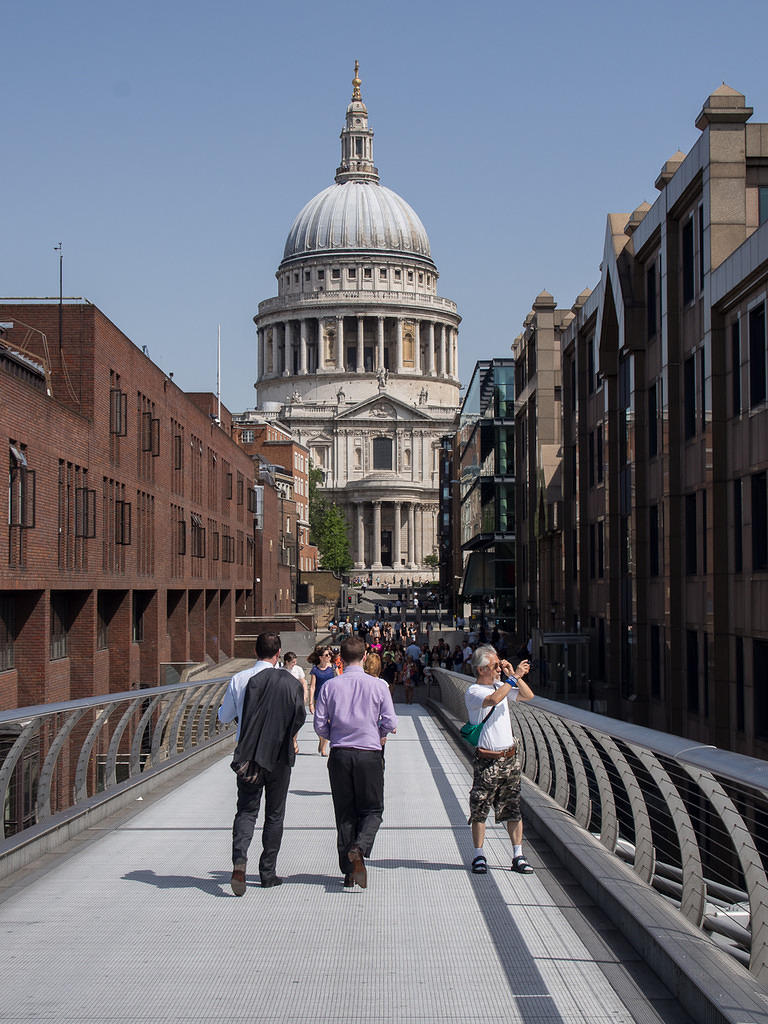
(130, 512)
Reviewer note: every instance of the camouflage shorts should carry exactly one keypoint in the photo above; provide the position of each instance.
(496, 784)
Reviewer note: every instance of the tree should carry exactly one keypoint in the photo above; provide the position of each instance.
(327, 527)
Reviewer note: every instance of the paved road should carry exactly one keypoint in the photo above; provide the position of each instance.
(137, 923)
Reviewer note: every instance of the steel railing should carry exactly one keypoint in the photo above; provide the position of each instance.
(691, 820)
(64, 755)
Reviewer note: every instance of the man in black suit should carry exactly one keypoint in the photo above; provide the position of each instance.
(273, 712)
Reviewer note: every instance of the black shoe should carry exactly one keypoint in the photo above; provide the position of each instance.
(479, 865)
(349, 882)
(268, 883)
(521, 865)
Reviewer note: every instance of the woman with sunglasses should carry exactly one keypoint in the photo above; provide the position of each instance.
(322, 670)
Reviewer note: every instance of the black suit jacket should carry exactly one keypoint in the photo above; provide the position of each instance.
(273, 712)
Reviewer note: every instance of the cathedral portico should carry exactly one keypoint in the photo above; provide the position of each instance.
(358, 356)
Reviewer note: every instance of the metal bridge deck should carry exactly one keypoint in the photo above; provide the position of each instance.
(136, 922)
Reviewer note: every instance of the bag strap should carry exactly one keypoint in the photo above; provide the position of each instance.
(493, 708)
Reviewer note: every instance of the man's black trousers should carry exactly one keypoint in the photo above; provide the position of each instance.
(357, 788)
(275, 787)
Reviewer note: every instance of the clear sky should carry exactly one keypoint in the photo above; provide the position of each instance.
(169, 144)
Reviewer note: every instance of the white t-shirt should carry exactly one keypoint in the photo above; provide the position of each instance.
(497, 732)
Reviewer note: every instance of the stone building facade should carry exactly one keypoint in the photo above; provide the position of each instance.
(358, 357)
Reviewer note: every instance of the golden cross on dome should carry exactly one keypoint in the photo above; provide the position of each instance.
(356, 82)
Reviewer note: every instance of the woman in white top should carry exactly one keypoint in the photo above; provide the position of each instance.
(291, 664)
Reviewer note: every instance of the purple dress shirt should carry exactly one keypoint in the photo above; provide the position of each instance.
(355, 710)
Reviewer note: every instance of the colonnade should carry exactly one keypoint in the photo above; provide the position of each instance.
(415, 515)
(285, 345)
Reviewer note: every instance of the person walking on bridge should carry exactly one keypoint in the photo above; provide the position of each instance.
(497, 768)
(355, 712)
(272, 712)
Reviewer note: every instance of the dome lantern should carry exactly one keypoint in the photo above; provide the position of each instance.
(356, 140)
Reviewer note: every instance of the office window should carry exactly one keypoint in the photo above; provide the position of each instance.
(592, 550)
(653, 428)
(760, 686)
(704, 532)
(7, 632)
(601, 549)
(738, 526)
(85, 512)
(653, 540)
(122, 522)
(757, 355)
(21, 490)
(759, 522)
(118, 412)
(689, 397)
(591, 384)
(736, 367)
(688, 261)
(691, 547)
(762, 193)
(651, 299)
(599, 454)
(692, 669)
(655, 659)
(591, 458)
(740, 704)
(702, 391)
(60, 624)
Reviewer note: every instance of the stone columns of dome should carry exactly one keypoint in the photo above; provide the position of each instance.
(396, 528)
(411, 533)
(360, 534)
(360, 344)
(417, 346)
(399, 345)
(340, 343)
(376, 563)
(288, 346)
(303, 346)
(379, 342)
(419, 528)
(455, 352)
(443, 365)
(275, 369)
(260, 347)
(320, 346)
(431, 349)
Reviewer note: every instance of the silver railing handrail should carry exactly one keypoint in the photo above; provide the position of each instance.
(688, 818)
(181, 718)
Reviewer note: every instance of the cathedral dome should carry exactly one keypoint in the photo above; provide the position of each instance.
(356, 215)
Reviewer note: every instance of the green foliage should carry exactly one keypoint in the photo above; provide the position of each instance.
(432, 560)
(327, 527)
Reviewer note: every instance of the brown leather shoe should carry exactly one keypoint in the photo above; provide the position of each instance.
(356, 859)
(237, 881)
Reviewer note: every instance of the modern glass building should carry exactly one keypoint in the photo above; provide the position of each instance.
(487, 493)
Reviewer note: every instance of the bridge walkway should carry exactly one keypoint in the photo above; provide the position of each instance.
(135, 921)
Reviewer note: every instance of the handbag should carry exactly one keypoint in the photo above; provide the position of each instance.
(471, 733)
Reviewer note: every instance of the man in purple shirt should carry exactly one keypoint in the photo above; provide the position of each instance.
(355, 712)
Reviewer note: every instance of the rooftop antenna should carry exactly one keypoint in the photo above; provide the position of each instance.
(60, 250)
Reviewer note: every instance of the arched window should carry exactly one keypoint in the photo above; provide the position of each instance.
(382, 453)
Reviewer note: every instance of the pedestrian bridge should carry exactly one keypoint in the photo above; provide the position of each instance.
(131, 918)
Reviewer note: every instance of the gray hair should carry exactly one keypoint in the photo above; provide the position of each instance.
(482, 656)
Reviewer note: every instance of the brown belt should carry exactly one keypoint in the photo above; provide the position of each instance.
(493, 754)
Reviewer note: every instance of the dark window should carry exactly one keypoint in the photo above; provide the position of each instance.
(759, 522)
(655, 661)
(689, 397)
(702, 392)
(592, 550)
(692, 669)
(690, 535)
(763, 203)
(61, 620)
(600, 549)
(181, 537)
(705, 671)
(704, 532)
(653, 540)
(105, 609)
(335, 273)
(701, 248)
(150, 434)
(688, 265)
(760, 686)
(653, 426)
(85, 512)
(739, 641)
(591, 458)
(738, 526)
(118, 412)
(757, 355)
(591, 365)
(122, 522)
(228, 486)
(139, 606)
(178, 451)
(382, 453)
(240, 489)
(21, 491)
(736, 366)
(198, 536)
(650, 299)
(573, 384)
(599, 454)
(7, 632)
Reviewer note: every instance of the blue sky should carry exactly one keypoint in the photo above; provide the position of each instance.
(169, 145)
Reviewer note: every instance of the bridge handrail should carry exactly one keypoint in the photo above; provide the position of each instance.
(689, 818)
(75, 745)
